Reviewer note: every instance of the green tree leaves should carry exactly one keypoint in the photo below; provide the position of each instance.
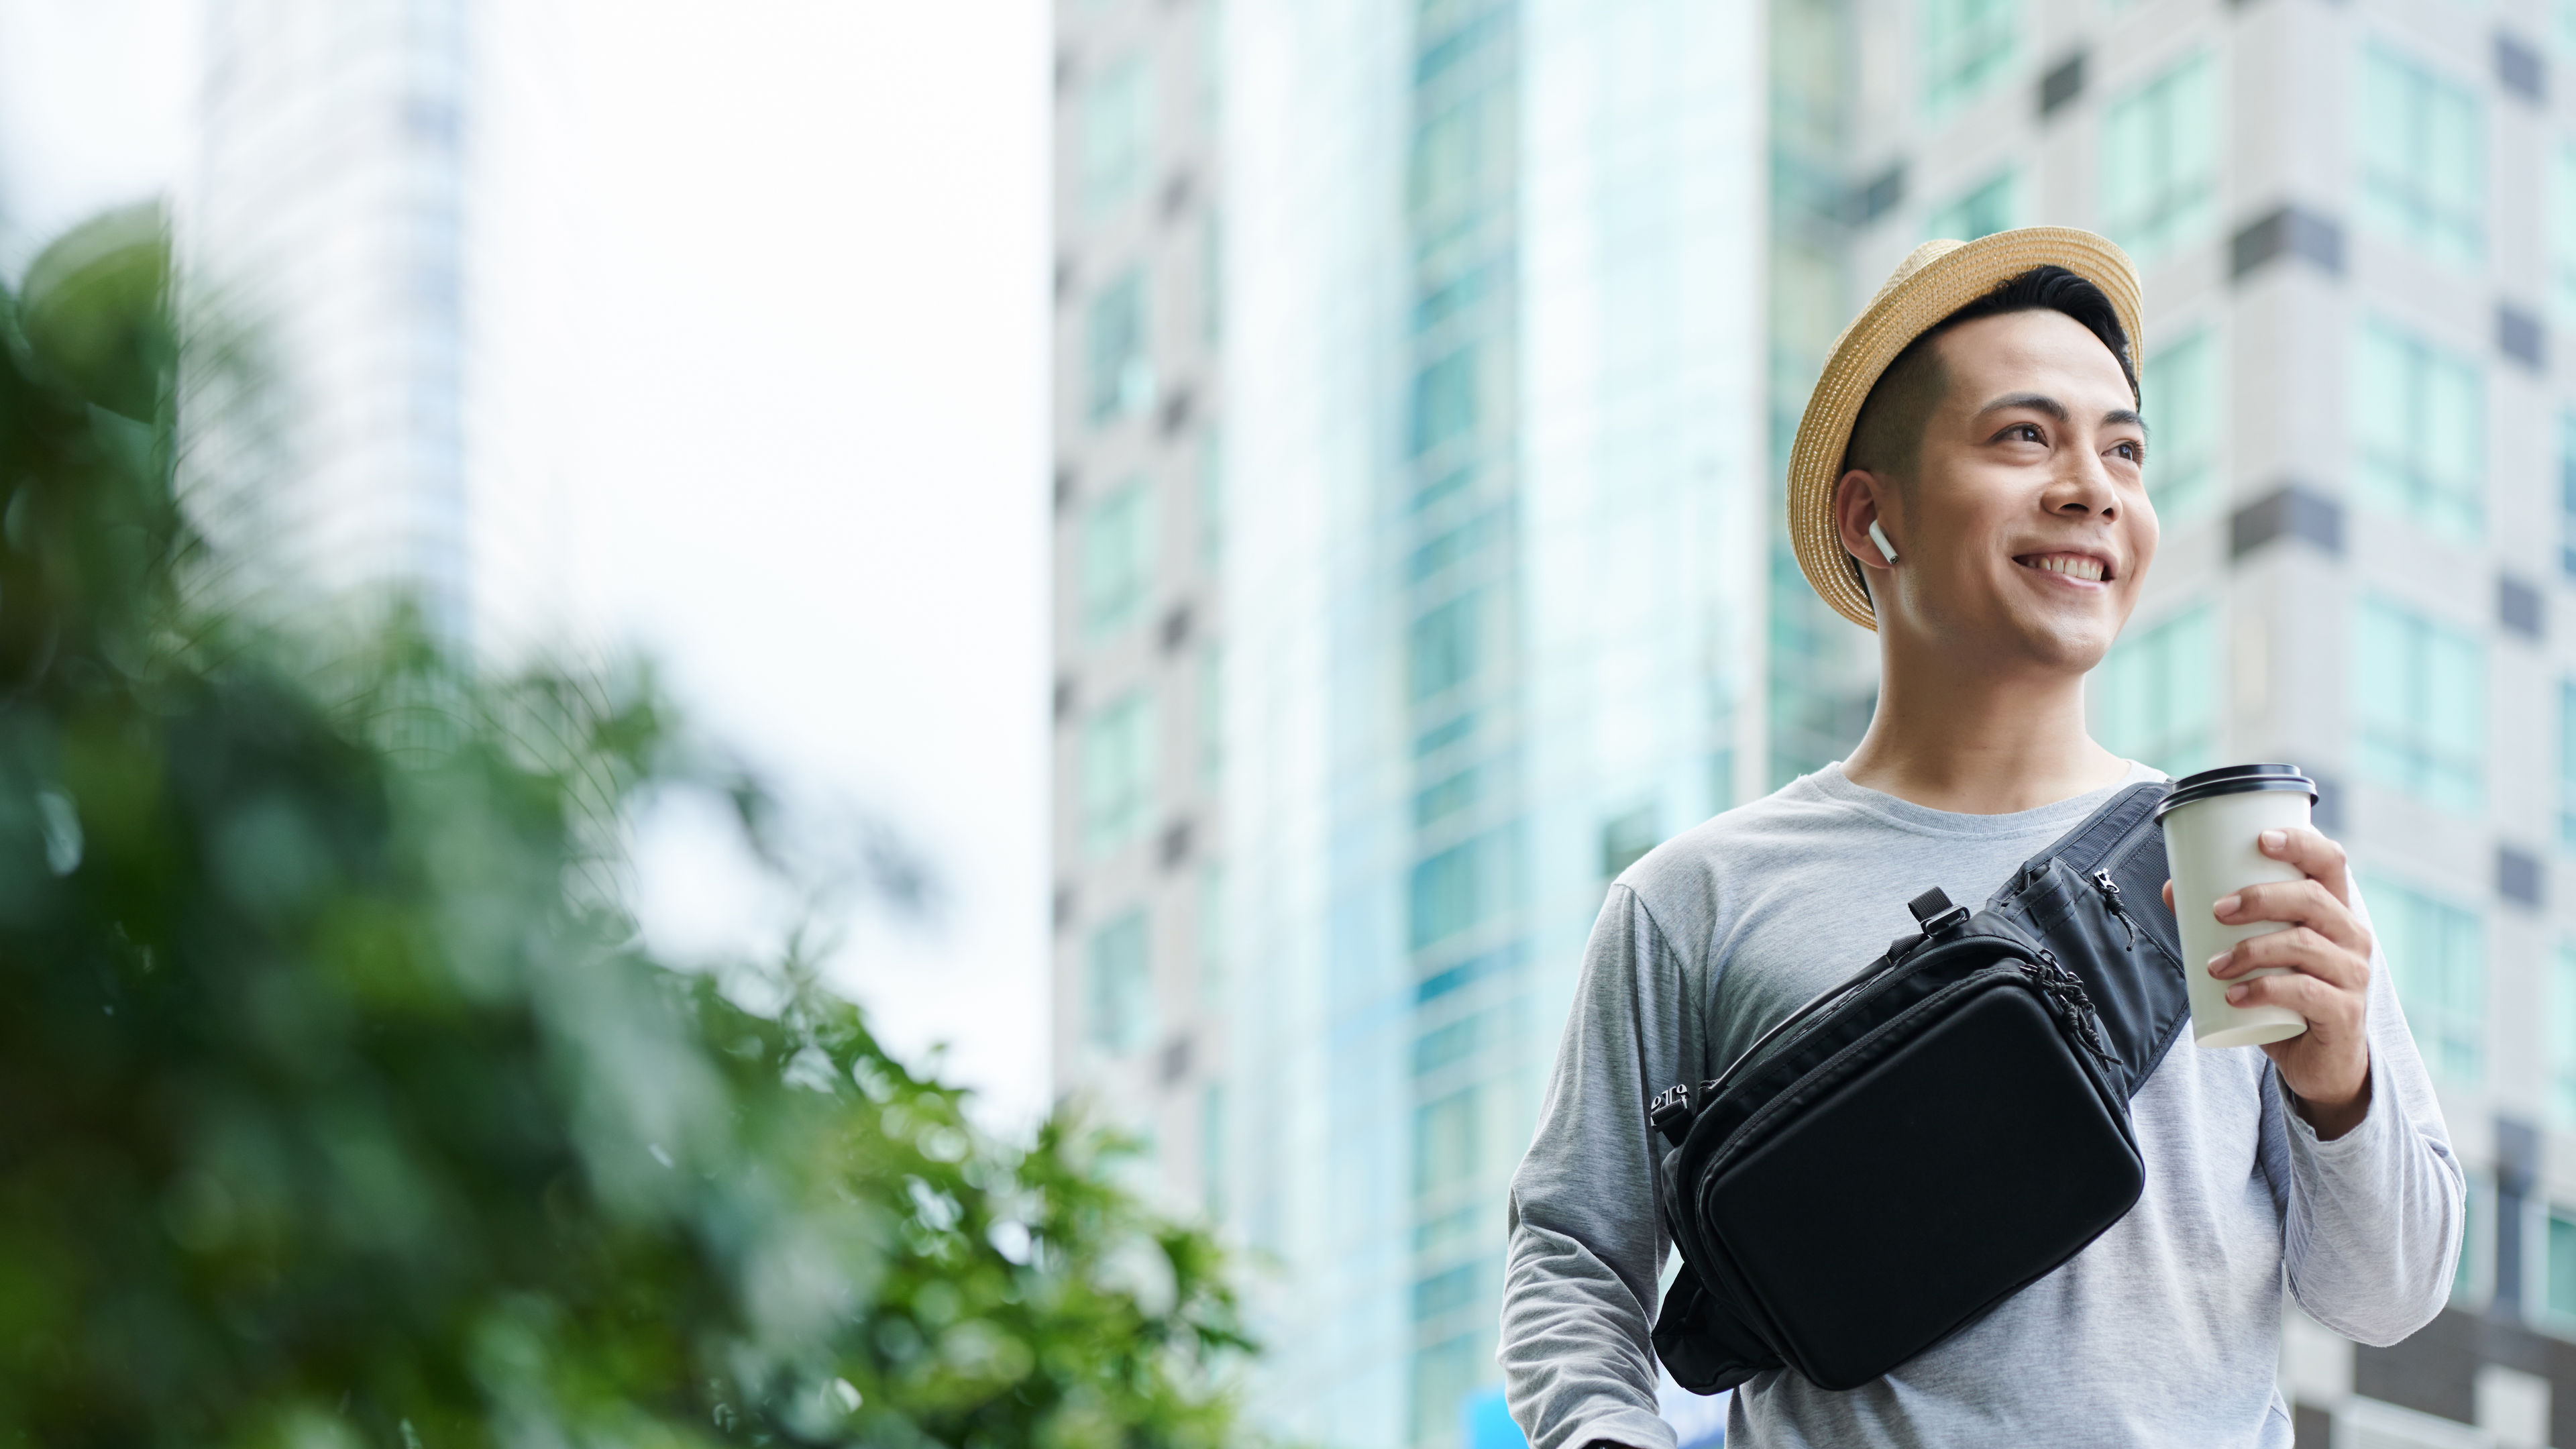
(340, 1102)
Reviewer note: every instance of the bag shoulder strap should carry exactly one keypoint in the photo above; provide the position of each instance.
(2098, 836)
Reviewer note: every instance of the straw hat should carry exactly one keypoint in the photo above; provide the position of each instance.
(1935, 280)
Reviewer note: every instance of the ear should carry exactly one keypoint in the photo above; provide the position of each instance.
(1858, 496)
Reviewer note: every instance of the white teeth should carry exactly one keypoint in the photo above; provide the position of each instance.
(2072, 565)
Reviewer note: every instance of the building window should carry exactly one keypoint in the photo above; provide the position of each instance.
(1212, 933)
(1117, 559)
(2567, 492)
(2419, 695)
(2558, 1297)
(1626, 840)
(1212, 496)
(2419, 420)
(2423, 160)
(1448, 1045)
(1444, 1375)
(1966, 45)
(1461, 887)
(2562, 226)
(2183, 397)
(1118, 774)
(1444, 401)
(1211, 714)
(2160, 161)
(1444, 798)
(1117, 135)
(1447, 646)
(1212, 1151)
(2562, 1037)
(1444, 1142)
(2567, 763)
(1990, 208)
(2473, 1243)
(2157, 694)
(1119, 995)
(1121, 375)
(1446, 1292)
(1212, 280)
(1456, 151)
(2438, 952)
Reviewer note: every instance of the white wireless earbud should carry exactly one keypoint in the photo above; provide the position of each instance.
(1878, 536)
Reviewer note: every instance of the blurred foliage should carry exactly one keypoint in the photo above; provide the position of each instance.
(341, 1103)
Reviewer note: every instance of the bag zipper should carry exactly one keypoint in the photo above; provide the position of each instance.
(2110, 890)
(2067, 1000)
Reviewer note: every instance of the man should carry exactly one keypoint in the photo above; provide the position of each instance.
(1968, 482)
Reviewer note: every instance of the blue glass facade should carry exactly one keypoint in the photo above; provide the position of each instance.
(1456, 503)
(1497, 496)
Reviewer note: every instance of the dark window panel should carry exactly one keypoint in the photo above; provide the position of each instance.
(2518, 606)
(2520, 336)
(2063, 83)
(2289, 232)
(2520, 69)
(1878, 196)
(2519, 876)
(2290, 511)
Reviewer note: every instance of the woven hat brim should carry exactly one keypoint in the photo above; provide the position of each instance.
(1906, 308)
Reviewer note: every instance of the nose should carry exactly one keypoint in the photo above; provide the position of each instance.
(2081, 488)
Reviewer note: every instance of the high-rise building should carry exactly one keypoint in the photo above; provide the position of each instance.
(1491, 501)
(1139, 617)
(2355, 230)
(371, 253)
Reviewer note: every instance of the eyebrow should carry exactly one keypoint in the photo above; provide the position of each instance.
(2043, 403)
(2036, 402)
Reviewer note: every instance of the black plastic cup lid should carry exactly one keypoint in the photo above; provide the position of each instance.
(2236, 780)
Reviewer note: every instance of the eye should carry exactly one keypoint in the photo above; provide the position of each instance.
(2025, 433)
(2130, 451)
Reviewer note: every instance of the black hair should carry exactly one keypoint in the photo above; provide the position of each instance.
(1887, 434)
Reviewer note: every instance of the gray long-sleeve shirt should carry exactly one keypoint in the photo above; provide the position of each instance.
(2165, 1331)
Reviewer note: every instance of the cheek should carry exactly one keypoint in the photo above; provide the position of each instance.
(2144, 534)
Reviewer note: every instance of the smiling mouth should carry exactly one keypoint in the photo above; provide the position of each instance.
(2080, 567)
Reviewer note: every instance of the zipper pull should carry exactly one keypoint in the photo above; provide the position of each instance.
(2069, 1003)
(2111, 897)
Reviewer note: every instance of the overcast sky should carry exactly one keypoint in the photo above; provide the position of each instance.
(812, 453)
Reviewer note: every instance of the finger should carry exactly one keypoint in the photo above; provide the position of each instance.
(2169, 895)
(2337, 1012)
(2308, 848)
(2297, 903)
(2299, 949)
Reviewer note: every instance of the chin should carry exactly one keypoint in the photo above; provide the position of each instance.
(2069, 645)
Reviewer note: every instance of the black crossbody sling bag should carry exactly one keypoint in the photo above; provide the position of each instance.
(1922, 1142)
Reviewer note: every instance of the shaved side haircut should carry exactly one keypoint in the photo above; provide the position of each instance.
(1887, 437)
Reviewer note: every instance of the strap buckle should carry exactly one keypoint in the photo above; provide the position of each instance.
(1935, 914)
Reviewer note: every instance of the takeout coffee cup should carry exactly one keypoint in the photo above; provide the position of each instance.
(2211, 822)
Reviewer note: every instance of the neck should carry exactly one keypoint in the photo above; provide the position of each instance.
(1950, 735)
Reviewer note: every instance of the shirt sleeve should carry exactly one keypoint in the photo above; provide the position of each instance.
(2370, 1231)
(1586, 1240)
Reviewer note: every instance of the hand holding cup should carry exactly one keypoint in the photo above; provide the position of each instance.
(2277, 958)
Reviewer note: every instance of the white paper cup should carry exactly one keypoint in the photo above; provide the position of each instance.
(2211, 822)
